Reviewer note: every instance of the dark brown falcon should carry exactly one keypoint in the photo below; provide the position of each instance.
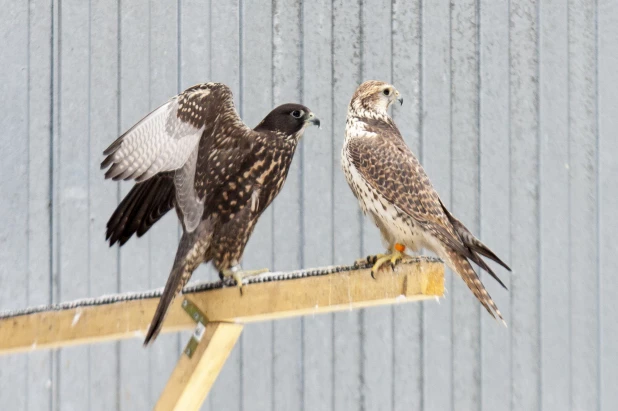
(194, 154)
(393, 189)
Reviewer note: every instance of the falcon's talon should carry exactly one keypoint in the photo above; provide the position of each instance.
(372, 259)
(239, 274)
(238, 278)
(393, 258)
(397, 258)
(369, 260)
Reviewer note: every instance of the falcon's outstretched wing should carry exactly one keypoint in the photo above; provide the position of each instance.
(199, 125)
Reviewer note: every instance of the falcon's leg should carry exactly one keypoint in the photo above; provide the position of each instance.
(394, 256)
(237, 273)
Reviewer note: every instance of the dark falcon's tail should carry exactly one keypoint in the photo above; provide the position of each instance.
(461, 266)
(143, 206)
(190, 254)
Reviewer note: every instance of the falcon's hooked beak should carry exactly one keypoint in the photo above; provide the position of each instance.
(311, 118)
(399, 98)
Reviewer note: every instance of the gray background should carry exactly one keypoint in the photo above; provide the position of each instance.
(511, 106)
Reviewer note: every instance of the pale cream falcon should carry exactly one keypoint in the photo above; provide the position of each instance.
(394, 190)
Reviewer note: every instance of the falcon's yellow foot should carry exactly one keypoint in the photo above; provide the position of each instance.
(394, 256)
(238, 274)
(370, 259)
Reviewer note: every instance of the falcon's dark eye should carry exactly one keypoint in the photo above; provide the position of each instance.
(297, 113)
(387, 91)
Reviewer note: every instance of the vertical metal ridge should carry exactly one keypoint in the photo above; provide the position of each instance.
(361, 375)
(88, 161)
(56, 48)
(510, 166)
(301, 196)
(539, 205)
(333, 375)
(118, 131)
(149, 355)
(361, 69)
(332, 137)
(421, 138)
(178, 46)
(272, 102)
(301, 148)
(241, 104)
(89, 123)
(569, 206)
(598, 211)
(179, 55)
(392, 308)
(479, 182)
(241, 78)
(28, 226)
(450, 150)
(361, 315)
(272, 208)
(540, 202)
(210, 38)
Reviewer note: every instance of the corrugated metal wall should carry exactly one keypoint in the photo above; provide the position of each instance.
(511, 106)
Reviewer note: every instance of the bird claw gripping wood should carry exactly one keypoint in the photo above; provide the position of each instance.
(392, 257)
(238, 274)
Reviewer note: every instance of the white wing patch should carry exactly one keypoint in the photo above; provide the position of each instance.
(187, 199)
(159, 142)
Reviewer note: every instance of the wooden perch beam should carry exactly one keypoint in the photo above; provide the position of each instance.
(342, 288)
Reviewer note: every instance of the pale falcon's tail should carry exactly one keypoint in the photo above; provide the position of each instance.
(461, 266)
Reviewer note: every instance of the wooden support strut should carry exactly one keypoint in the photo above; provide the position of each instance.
(200, 363)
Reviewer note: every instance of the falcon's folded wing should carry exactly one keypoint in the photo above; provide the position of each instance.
(393, 171)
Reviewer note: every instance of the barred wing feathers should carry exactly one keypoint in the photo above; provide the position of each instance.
(185, 135)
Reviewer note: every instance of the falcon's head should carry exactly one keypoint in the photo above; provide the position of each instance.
(289, 119)
(375, 96)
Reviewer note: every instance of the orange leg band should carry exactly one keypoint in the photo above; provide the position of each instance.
(400, 247)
